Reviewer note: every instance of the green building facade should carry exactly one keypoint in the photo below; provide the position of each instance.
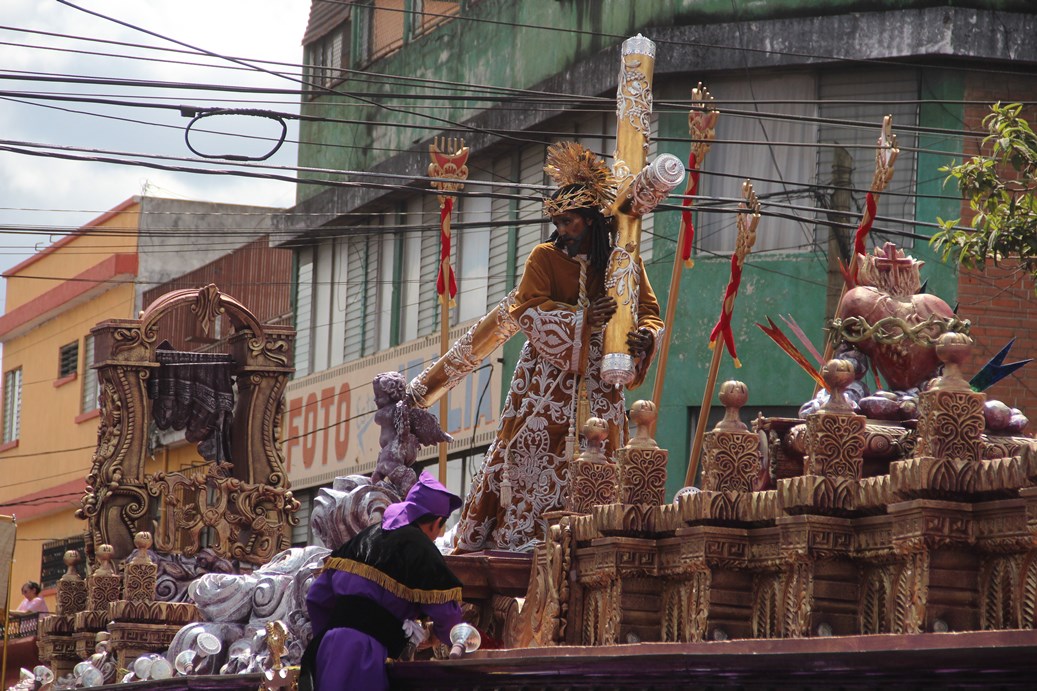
(802, 89)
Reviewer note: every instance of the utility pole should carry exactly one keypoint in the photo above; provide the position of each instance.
(840, 228)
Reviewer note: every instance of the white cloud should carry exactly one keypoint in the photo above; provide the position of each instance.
(256, 29)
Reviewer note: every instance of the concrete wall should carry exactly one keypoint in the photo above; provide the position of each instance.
(180, 236)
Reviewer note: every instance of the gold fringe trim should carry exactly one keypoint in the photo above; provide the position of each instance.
(421, 597)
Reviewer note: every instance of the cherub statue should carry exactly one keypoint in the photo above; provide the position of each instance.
(405, 429)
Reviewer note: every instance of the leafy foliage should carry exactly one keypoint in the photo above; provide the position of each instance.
(1001, 187)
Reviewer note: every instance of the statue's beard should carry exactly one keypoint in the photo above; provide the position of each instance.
(571, 246)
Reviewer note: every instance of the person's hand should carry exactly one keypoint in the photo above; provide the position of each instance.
(601, 310)
(640, 342)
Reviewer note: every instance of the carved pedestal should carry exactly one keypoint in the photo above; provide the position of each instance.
(103, 587)
(704, 573)
(87, 625)
(593, 478)
(642, 464)
(591, 482)
(139, 581)
(57, 644)
(835, 444)
(618, 595)
(642, 475)
(130, 640)
(832, 467)
(936, 570)
(139, 624)
(817, 586)
(950, 424)
(730, 461)
(145, 627)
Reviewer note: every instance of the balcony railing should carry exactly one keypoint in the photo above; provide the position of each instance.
(22, 625)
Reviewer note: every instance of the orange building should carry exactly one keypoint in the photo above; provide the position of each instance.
(49, 405)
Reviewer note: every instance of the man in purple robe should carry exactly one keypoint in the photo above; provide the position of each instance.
(369, 586)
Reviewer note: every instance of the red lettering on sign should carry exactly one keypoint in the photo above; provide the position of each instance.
(327, 402)
(309, 440)
(294, 411)
(342, 406)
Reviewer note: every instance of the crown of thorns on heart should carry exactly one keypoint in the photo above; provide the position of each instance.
(585, 180)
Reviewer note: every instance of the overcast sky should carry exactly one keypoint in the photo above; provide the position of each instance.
(53, 194)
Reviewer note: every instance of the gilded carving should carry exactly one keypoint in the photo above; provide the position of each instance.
(818, 495)
(875, 601)
(797, 591)
(602, 614)
(767, 605)
(544, 615)
(912, 592)
(206, 307)
(685, 606)
(1028, 594)
(998, 593)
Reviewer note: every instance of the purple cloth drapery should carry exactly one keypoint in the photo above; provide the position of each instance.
(194, 392)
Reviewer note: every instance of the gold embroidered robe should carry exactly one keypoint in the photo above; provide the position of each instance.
(531, 435)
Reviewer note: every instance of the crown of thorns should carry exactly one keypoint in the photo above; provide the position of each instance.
(590, 183)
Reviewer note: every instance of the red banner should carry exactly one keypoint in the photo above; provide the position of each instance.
(862, 231)
(445, 280)
(688, 231)
(723, 325)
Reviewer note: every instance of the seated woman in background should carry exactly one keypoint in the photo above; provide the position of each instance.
(32, 602)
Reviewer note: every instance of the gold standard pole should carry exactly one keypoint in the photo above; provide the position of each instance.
(702, 119)
(633, 130)
(7, 607)
(748, 218)
(444, 334)
(449, 159)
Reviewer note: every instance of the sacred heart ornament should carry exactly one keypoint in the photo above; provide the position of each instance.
(903, 363)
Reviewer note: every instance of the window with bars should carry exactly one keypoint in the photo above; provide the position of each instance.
(303, 310)
(867, 96)
(500, 212)
(532, 224)
(473, 251)
(410, 279)
(68, 359)
(428, 14)
(52, 559)
(12, 404)
(356, 271)
(91, 387)
(777, 154)
(327, 57)
(428, 310)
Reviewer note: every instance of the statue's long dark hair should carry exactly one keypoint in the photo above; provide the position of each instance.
(602, 233)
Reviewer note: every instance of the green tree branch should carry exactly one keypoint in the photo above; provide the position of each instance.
(1000, 188)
